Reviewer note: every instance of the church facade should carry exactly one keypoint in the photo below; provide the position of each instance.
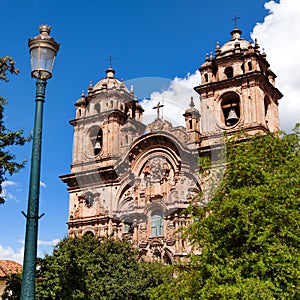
(133, 180)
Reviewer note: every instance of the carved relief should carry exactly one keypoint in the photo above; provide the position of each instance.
(163, 125)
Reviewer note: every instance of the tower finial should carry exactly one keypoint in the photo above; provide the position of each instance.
(217, 50)
(131, 90)
(235, 19)
(90, 88)
(110, 71)
(192, 104)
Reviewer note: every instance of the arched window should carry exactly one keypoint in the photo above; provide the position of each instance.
(191, 124)
(97, 107)
(249, 65)
(229, 72)
(243, 67)
(206, 77)
(267, 104)
(230, 105)
(96, 137)
(157, 223)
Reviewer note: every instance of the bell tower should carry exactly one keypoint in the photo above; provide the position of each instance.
(107, 119)
(237, 90)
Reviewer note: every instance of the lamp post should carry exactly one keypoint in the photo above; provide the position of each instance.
(43, 49)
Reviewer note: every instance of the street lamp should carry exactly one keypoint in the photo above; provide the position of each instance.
(43, 49)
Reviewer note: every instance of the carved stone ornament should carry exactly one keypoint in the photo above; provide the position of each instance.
(89, 199)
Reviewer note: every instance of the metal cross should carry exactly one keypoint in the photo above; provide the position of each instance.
(235, 19)
(157, 107)
(110, 60)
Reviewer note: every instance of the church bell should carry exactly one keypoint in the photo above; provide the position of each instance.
(97, 146)
(232, 117)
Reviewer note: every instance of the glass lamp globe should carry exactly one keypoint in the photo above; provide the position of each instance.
(43, 49)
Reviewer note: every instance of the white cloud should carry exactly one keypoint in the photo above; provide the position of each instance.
(8, 183)
(175, 98)
(7, 194)
(17, 255)
(44, 247)
(42, 184)
(45, 243)
(11, 254)
(48, 243)
(279, 36)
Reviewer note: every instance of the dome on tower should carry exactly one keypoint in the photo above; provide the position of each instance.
(192, 110)
(236, 42)
(110, 82)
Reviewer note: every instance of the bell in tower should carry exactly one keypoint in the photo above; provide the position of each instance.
(232, 117)
(237, 90)
(97, 147)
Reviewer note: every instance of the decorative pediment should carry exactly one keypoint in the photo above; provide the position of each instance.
(166, 126)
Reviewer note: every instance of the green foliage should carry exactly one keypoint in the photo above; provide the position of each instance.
(88, 268)
(7, 64)
(12, 290)
(249, 232)
(8, 165)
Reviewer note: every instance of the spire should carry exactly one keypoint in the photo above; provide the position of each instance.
(192, 104)
(256, 46)
(192, 111)
(217, 50)
(90, 88)
(81, 100)
(131, 90)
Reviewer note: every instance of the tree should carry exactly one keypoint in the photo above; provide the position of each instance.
(12, 289)
(249, 232)
(89, 268)
(8, 165)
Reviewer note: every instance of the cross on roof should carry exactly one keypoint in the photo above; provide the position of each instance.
(235, 19)
(110, 60)
(157, 107)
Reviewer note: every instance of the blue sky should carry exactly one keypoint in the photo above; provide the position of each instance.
(161, 39)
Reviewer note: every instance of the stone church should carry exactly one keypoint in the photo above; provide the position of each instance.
(134, 180)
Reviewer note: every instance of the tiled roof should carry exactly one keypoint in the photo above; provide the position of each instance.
(9, 266)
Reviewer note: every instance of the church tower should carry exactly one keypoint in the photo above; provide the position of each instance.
(237, 90)
(107, 119)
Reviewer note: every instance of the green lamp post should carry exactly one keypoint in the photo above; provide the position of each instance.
(43, 49)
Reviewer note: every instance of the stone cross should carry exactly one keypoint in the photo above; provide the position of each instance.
(157, 107)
